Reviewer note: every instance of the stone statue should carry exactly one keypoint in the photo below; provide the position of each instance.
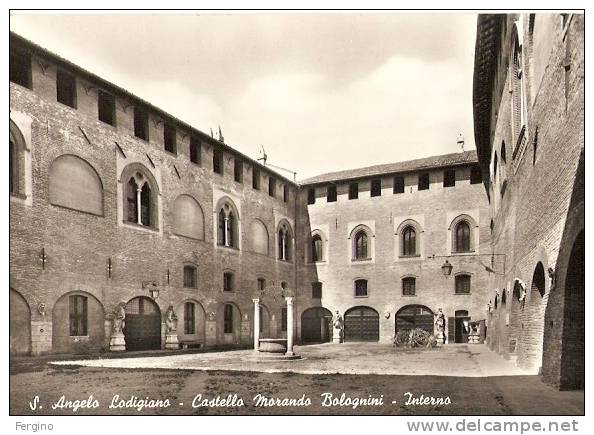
(119, 318)
(440, 326)
(338, 325)
(171, 320)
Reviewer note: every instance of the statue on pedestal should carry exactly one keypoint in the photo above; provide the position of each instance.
(117, 342)
(440, 327)
(171, 320)
(171, 340)
(338, 327)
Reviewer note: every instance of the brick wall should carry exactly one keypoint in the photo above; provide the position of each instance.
(538, 216)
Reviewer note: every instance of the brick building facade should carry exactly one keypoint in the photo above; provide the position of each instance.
(114, 203)
(529, 131)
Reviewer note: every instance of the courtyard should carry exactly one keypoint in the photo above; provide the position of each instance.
(336, 378)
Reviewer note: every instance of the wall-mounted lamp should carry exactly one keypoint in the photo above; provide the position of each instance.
(446, 268)
(43, 257)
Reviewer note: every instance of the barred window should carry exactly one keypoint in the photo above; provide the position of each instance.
(78, 315)
(409, 286)
(189, 318)
(360, 288)
(462, 284)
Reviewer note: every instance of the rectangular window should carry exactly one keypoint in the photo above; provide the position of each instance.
(424, 181)
(20, 68)
(271, 187)
(285, 193)
(228, 281)
(316, 290)
(311, 195)
(66, 88)
(256, 178)
(284, 319)
(189, 318)
(476, 175)
(195, 150)
(190, 276)
(217, 161)
(261, 284)
(331, 193)
(238, 171)
(353, 191)
(398, 184)
(409, 287)
(462, 284)
(169, 138)
(106, 105)
(228, 319)
(449, 178)
(78, 315)
(360, 288)
(141, 125)
(376, 187)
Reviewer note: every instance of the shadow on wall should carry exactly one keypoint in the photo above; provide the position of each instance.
(564, 335)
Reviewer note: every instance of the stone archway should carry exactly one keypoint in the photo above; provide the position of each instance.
(20, 324)
(78, 323)
(573, 356)
(316, 325)
(143, 324)
(361, 324)
(415, 316)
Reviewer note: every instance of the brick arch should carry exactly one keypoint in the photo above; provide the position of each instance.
(62, 340)
(20, 324)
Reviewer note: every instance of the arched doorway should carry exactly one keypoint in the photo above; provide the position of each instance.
(316, 325)
(361, 324)
(534, 320)
(143, 324)
(414, 316)
(573, 368)
(20, 324)
(191, 323)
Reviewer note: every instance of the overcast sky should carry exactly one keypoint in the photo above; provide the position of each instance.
(321, 92)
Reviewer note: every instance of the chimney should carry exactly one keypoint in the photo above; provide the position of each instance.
(460, 142)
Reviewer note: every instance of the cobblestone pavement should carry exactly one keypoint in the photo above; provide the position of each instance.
(346, 358)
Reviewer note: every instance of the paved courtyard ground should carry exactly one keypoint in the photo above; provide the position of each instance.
(472, 379)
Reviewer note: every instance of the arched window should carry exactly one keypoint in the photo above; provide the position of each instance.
(140, 196)
(360, 246)
(360, 288)
(227, 226)
(317, 253)
(16, 161)
(284, 242)
(409, 241)
(74, 183)
(462, 237)
(190, 276)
